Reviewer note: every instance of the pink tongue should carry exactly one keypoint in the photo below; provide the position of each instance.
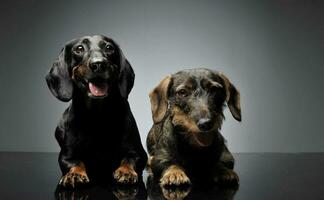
(98, 89)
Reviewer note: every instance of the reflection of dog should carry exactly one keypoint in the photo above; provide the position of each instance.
(155, 191)
(171, 192)
(98, 133)
(118, 191)
(184, 142)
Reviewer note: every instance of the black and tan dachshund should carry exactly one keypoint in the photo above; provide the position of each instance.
(98, 135)
(184, 143)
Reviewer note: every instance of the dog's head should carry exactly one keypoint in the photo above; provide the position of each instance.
(95, 65)
(194, 100)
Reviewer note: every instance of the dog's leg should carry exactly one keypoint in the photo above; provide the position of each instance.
(163, 157)
(74, 171)
(227, 158)
(224, 173)
(134, 158)
(225, 176)
(171, 173)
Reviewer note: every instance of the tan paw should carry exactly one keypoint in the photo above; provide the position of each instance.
(73, 180)
(174, 175)
(76, 176)
(125, 174)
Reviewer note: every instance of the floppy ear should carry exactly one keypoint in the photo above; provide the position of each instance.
(159, 99)
(232, 97)
(126, 76)
(59, 80)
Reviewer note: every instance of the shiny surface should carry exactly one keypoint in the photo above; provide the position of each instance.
(262, 176)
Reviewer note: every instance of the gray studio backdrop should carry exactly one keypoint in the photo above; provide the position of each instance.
(272, 51)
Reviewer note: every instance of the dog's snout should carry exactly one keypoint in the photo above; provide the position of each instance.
(205, 124)
(98, 66)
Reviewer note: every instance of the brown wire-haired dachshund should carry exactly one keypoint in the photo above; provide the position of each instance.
(97, 134)
(184, 143)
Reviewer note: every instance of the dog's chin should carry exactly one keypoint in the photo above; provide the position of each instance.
(198, 138)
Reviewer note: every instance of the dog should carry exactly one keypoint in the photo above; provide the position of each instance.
(97, 134)
(184, 143)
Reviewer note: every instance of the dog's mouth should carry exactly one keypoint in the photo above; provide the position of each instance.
(96, 87)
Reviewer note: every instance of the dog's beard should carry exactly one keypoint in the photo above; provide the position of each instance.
(193, 135)
(201, 139)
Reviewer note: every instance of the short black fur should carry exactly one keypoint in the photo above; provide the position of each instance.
(98, 135)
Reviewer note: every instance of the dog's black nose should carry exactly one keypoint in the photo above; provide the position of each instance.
(205, 124)
(98, 66)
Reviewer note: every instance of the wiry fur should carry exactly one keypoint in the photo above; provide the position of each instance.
(176, 138)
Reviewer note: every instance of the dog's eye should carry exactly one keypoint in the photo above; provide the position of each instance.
(110, 49)
(79, 49)
(182, 93)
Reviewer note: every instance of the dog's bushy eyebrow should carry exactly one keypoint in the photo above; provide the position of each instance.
(104, 42)
(86, 41)
(207, 82)
(190, 83)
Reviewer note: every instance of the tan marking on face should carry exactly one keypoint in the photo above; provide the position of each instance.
(192, 133)
(80, 71)
(179, 118)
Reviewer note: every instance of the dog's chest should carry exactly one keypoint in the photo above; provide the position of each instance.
(198, 159)
(99, 134)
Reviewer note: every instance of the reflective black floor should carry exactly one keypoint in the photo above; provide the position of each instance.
(262, 176)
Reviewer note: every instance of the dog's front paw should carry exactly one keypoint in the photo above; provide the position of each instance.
(228, 177)
(125, 174)
(174, 175)
(73, 179)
